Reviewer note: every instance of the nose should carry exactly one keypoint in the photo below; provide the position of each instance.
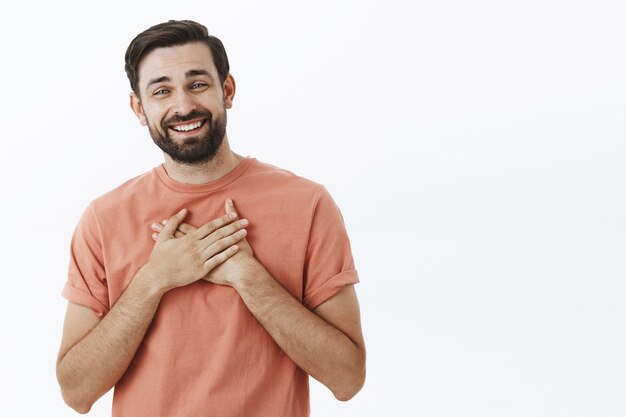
(184, 102)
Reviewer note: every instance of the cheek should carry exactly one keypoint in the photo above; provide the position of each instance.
(153, 117)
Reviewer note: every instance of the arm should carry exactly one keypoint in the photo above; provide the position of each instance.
(95, 353)
(327, 343)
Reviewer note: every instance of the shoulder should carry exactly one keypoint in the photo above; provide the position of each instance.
(277, 180)
(124, 193)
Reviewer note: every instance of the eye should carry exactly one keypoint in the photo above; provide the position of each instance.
(198, 85)
(161, 91)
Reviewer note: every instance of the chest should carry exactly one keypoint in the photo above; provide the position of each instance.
(278, 235)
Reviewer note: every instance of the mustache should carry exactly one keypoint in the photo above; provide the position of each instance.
(194, 114)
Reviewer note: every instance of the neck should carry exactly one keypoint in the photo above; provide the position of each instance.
(224, 161)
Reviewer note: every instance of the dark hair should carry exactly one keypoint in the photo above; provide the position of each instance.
(173, 33)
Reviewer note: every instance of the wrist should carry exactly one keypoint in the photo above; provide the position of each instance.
(254, 275)
(150, 282)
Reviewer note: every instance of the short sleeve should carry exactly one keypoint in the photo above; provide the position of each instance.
(329, 265)
(86, 279)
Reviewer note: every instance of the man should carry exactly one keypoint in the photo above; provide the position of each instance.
(248, 288)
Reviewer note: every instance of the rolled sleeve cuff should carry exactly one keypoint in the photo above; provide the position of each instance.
(77, 296)
(330, 288)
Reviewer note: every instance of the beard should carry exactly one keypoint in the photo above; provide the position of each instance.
(194, 150)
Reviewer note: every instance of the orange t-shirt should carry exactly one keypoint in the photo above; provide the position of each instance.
(204, 353)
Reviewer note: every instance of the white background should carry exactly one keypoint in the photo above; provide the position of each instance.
(477, 150)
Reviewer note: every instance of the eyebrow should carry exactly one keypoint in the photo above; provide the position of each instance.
(157, 80)
(188, 74)
(195, 72)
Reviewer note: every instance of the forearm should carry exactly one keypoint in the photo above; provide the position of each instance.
(316, 346)
(95, 363)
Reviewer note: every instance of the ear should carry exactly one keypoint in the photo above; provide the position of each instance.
(229, 88)
(137, 108)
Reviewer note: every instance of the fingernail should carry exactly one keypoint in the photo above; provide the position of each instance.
(230, 202)
(232, 215)
(182, 211)
(243, 222)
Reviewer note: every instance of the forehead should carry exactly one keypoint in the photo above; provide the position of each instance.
(175, 61)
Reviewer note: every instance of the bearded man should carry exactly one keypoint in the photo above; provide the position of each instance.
(214, 284)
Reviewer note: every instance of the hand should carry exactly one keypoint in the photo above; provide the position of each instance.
(240, 266)
(176, 262)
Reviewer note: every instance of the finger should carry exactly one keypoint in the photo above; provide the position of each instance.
(222, 244)
(220, 258)
(157, 230)
(213, 225)
(229, 206)
(183, 228)
(186, 228)
(167, 232)
(223, 232)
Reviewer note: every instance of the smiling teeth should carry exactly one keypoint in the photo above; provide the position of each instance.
(187, 128)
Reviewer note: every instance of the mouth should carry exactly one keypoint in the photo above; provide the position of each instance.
(188, 127)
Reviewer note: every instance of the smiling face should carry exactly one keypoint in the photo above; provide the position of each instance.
(182, 102)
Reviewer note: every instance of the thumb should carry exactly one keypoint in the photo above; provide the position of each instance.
(170, 227)
(230, 207)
